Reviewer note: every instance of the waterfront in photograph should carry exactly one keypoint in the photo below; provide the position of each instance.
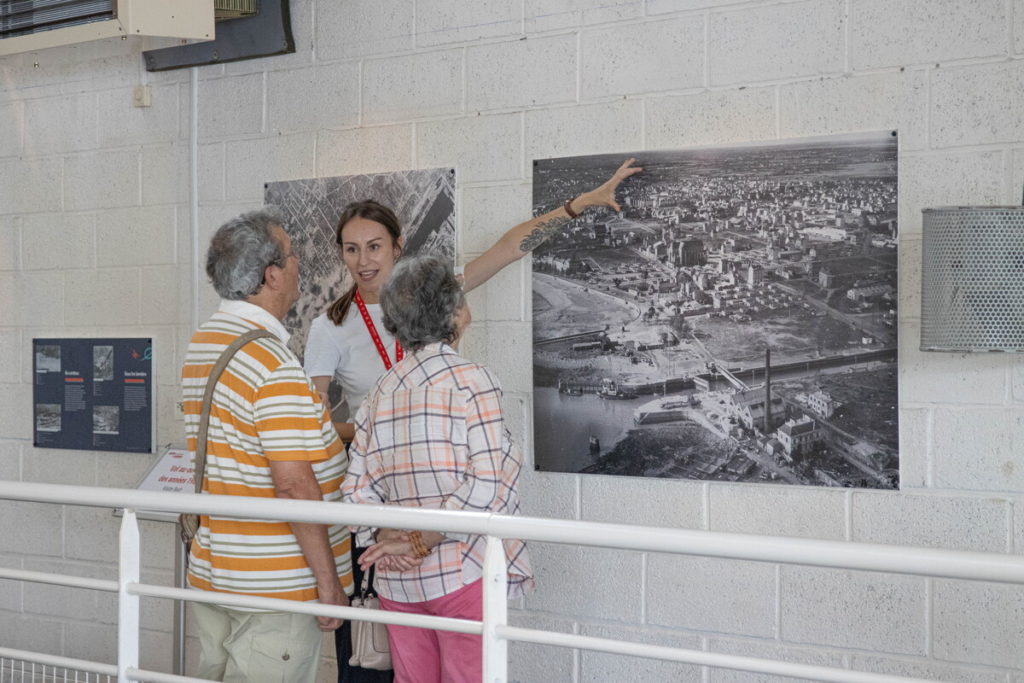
(736, 321)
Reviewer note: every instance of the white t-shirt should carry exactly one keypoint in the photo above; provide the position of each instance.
(347, 353)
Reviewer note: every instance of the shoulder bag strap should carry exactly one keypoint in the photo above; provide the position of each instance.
(211, 384)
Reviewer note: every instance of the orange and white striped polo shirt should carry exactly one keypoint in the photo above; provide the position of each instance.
(264, 409)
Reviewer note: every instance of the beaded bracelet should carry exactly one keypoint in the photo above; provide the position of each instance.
(419, 549)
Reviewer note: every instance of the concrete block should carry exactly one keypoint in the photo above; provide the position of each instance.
(609, 668)
(35, 634)
(914, 447)
(32, 298)
(776, 41)
(66, 603)
(948, 378)
(481, 148)
(589, 129)
(974, 623)
(413, 86)
(166, 176)
(52, 241)
(766, 650)
(910, 277)
(649, 502)
(328, 93)
(11, 591)
(56, 466)
(11, 353)
(1018, 25)
(778, 511)
(31, 186)
(709, 594)
(549, 15)
(885, 33)
(122, 470)
(120, 123)
(439, 22)
(955, 523)
(548, 495)
(522, 73)
(977, 105)
(710, 118)
(12, 121)
(839, 105)
(60, 125)
(528, 662)
(251, 163)
(569, 577)
(506, 350)
(10, 243)
(487, 213)
(90, 534)
(912, 100)
(91, 641)
(10, 462)
(947, 179)
(16, 408)
(166, 295)
(156, 650)
(156, 615)
(101, 180)
(862, 610)
(230, 106)
(500, 300)
(371, 27)
(665, 6)
(102, 297)
(976, 449)
(137, 236)
(159, 540)
(613, 63)
(364, 150)
(169, 426)
(32, 525)
(929, 669)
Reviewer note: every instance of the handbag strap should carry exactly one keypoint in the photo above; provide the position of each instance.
(211, 384)
(364, 590)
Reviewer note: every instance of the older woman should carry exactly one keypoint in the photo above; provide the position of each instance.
(431, 434)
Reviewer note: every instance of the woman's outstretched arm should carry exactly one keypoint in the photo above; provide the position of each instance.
(528, 236)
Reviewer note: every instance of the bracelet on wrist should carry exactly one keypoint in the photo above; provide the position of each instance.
(568, 208)
(419, 548)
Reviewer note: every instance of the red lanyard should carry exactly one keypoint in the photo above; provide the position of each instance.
(372, 329)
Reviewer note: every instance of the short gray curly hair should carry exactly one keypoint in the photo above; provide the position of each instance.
(240, 252)
(419, 302)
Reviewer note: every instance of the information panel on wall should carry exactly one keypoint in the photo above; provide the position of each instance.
(93, 394)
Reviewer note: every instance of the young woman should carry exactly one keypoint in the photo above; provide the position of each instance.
(349, 342)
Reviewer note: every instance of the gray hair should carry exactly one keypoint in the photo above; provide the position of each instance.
(240, 252)
(419, 302)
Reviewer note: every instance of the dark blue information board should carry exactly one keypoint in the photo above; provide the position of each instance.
(93, 394)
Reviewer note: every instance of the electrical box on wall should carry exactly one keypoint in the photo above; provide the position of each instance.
(30, 25)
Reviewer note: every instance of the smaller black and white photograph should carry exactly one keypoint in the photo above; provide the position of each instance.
(48, 416)
(106, 420)
(48, 358)
(102, 363)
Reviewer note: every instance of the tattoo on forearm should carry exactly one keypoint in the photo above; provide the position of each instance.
(542, 232)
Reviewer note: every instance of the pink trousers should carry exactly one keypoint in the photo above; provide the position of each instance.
(421, 655)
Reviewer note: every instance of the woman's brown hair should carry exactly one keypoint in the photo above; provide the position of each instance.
(372, 211)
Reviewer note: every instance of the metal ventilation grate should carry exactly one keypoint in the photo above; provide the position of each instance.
(24, 17)
(972, 280)
(234, 9)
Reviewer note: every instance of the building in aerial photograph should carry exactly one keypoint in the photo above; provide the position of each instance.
(736, 321)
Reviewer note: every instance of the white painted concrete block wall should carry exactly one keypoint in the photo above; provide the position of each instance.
(94, 228)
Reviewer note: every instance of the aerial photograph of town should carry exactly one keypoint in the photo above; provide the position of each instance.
(735, 322)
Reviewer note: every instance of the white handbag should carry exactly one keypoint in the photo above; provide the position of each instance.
(370, 646)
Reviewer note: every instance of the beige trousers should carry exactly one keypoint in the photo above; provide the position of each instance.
(256, 647)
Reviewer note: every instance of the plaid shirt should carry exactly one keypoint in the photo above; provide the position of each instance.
(431, 434)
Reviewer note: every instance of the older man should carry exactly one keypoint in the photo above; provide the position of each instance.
(269, 436)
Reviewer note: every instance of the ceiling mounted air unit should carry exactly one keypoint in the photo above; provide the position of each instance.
(29, 25)
(234, 9)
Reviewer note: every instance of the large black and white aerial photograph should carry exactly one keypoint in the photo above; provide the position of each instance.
(736, 321)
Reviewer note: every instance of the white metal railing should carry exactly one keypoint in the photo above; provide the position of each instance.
(494, 628)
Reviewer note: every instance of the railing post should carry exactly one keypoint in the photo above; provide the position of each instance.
(128, 605)
(495, 611)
